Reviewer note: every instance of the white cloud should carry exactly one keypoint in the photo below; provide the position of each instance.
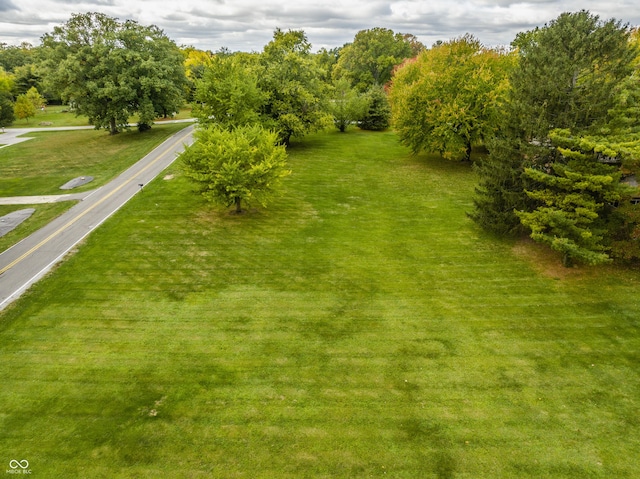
(249, 24)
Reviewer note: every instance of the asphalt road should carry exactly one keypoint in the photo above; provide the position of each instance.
(26, 262)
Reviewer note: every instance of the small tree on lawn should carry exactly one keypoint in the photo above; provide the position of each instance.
(232, 167)
(378, 115)
(23, 108)
(36, 99)
(347, 105)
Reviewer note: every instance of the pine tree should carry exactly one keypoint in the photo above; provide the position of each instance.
(378, 116)
(564, 78)
(575, 197)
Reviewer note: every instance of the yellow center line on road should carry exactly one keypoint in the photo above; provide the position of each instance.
(78, 217)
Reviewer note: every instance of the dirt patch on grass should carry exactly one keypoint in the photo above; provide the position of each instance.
(546, 261)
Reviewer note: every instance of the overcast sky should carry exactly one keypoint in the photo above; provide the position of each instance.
(248, 25)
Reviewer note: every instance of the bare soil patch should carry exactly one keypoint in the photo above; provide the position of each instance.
(546, 261)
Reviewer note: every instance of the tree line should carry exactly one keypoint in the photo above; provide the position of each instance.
(552, 119)
(557, 114)
(563, 156)
(249, 105)
(109, 70)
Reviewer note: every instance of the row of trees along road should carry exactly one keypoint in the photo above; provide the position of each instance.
(110, 70)
(558, 114)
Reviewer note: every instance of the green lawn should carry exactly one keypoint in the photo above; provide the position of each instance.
(41, 165)
(59, 115)
(362, 326)
(53, 115)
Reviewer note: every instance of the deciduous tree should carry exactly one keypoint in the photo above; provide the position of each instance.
(292, 82)
(7, 81)
(228, 94)
(6, 99)
(36, 99)
(12, 57)
(450, 97)
(195, 62)
(369, 60)
(327, 60)
(236, 166)
(7, 114)
(111, 70)
(347, 105)
(24, 108)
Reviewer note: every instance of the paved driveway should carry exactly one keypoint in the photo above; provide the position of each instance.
(12, 136)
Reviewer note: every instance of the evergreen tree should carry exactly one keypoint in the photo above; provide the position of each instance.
(565, 76)
(6, 109)
(575, 196)
(567, 71)
(499, 192)
(378, 115)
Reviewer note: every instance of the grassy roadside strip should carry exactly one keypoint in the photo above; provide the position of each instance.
(44, 214)
(40, 166)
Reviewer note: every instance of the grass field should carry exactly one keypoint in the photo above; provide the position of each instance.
(59, 115)
(41, 165)
(362, 326)
(53, 115)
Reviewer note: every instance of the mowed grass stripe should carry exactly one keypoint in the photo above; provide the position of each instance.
(361, 326)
